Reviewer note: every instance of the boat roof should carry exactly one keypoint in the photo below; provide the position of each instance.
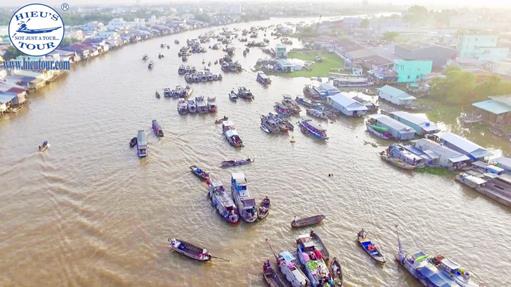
(432, 275)
(463, 144)
(215, 183)
(248, 202)
(390, 122)
(141, 139)
(288, 257)
(347, 102)
(230, 133)
(239, 177)
(420, 120)
(474, 179)
(450, 264)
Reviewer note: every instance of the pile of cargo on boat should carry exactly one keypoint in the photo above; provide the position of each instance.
(197, 105)
(178, 92)
(275, 124)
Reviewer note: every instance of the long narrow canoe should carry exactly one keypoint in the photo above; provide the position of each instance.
(271, 276)
(369, 247)
(336, 272)
(320, 245)
(189, 250)
(307, 221)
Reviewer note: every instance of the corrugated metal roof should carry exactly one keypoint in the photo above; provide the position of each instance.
(347, 102)
(395, 92)
(6, 97)
(493, 107)
(418, 119)
(391, 123)
(463, 144)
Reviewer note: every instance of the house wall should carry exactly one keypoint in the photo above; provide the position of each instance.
(481, 47)
(411, 71)
(437, 54)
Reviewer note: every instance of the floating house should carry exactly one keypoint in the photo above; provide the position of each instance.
(419, 122)
(462, 145)
(495, 110)
(504, 163)
(438, 155)
(346, 105)
(398, 130)
(395, 96)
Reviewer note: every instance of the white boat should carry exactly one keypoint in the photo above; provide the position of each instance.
(222, 202)
(245, 203)
(290, 267)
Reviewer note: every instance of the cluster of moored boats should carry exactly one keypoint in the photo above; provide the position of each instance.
(242, 93)
(202, 76)
(177, 92)
(275, 124)
(197, 105)
(140, 141)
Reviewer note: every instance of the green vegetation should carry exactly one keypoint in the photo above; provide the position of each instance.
(459, 87)
(436, 171)
(329, 62)
(390, 36)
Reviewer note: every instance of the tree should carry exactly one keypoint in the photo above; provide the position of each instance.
(417, 14)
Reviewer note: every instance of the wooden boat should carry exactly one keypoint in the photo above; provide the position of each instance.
(396, 162)
(157, 129)
(271, 277)
(316, 114)
(320, 245)
(264, 208)
(245, 203)
(369, 247)
(44, 146)
(133, 142)
(189, 250)
(307, 221)
(222, 202)
(233, 96)
(336, 272)
(232, 163)
(313, 262)
(315, 130)
(199, 173)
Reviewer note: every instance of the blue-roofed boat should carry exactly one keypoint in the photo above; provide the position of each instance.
(311, 258)
(141, 144)
(420, 267)
(245, 203)
(313, 129)
(200, 173)
(222, 201)
(157, 129)
(369, 247)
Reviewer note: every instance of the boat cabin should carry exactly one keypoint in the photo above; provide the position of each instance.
(141, 144)
(398, 130)
(239, 181)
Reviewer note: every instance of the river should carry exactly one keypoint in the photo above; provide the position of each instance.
(88, 212)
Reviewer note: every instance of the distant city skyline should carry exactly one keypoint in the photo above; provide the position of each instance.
(427, 3)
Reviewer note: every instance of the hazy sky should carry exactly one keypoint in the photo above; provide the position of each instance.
(430, 3)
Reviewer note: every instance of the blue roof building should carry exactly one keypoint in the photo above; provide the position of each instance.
(419, 122)
(395, 96)
(398, 130)
(462, 145)
(346, 105)
(495, 110)
(326, 89)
